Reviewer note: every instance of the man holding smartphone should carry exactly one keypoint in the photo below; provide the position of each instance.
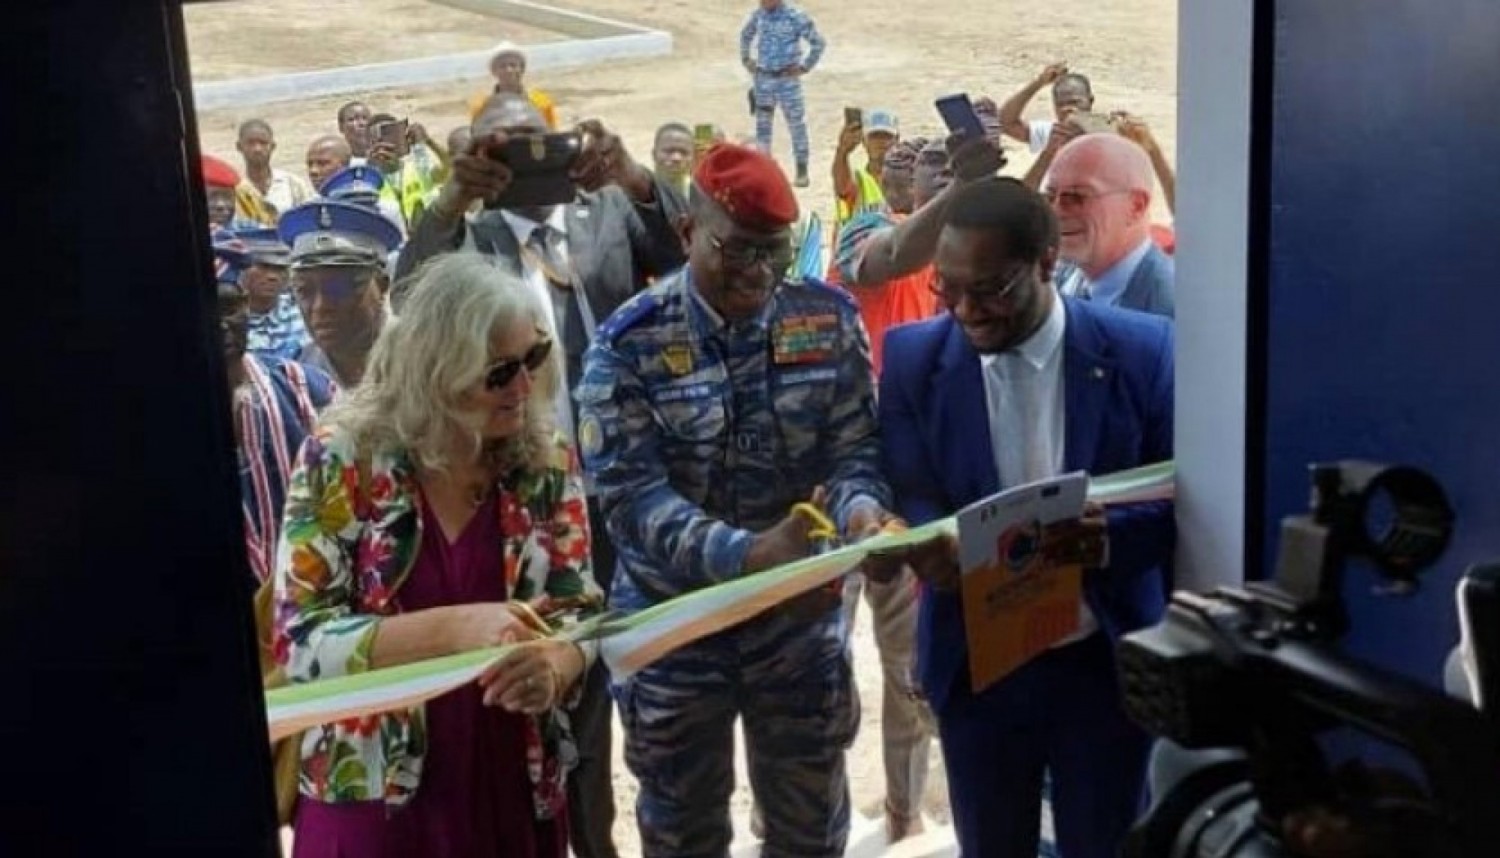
(1071, 93)
(858, 189)
(585, 257)
(412, 164)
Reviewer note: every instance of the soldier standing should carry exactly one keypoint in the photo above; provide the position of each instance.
(709, 405)
(778, 68)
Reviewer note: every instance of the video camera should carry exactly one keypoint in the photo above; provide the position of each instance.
(1253, 672)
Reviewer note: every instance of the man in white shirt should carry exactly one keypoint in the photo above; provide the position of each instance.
(1071, 92)
(1100, 188)
(1066, 385)
(275, 191)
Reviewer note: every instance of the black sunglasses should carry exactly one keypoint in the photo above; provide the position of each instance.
(503, 372)
(777, 257)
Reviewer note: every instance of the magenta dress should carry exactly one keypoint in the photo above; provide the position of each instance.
(475, 797)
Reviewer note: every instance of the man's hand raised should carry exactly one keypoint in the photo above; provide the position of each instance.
(1063, 133)
(605, 161)
(476, 176)
(851, 137)
(973, 159)
(1134, 129)
(1051, 73)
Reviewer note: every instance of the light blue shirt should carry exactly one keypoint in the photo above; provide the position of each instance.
(1024, 392)
(1110, 286)
(781, 32)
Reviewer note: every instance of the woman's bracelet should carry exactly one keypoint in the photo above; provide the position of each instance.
(560, 692)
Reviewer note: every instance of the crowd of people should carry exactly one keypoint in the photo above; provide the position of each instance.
(460, 424)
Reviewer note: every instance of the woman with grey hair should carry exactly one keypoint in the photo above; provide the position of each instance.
(432, 504)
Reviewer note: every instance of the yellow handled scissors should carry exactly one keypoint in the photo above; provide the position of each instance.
(823, 530)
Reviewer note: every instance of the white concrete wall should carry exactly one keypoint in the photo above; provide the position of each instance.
(596, 40)
(1213, 135)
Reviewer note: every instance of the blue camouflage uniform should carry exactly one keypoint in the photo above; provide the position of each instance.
(781, 31)
(699, 434)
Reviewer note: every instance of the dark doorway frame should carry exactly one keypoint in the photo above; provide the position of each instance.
(124, 598)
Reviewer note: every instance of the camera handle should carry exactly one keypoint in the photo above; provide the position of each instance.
(1397, 518)
(1479, 622)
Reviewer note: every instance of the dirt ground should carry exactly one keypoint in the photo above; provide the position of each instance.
(881, 53)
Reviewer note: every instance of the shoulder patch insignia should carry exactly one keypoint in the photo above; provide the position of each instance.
(631, 314)
(590, 436)
(829, 290)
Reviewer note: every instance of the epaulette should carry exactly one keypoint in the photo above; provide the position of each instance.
(824, 289)
(631, 313)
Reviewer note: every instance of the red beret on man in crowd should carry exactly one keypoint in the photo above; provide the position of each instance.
(218, 174)
(748, 185)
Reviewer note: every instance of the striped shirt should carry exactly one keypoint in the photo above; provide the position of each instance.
(274, 410)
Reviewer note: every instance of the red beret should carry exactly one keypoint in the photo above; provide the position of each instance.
(218, 174)
(748, 185)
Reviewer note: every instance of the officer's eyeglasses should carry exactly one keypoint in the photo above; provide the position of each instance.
(991, 291)
(336, 285)
(502, 372)
(738, 256)
(1076, 198)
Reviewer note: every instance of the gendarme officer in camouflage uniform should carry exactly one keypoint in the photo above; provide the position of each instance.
(710, 404)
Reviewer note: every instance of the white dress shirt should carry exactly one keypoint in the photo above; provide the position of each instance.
(1023, 392)
(1109, 287)
(554, 302)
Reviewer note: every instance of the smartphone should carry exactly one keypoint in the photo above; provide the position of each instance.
(959, 115)
(393, 133)
(1089, 123)
(854, 116)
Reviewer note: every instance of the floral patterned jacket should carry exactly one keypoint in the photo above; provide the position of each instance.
(350, 535)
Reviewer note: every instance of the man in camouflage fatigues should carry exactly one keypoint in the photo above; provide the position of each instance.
(709, 405)
(777, 31)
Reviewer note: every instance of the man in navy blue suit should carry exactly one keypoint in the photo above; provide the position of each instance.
(1017, 384)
